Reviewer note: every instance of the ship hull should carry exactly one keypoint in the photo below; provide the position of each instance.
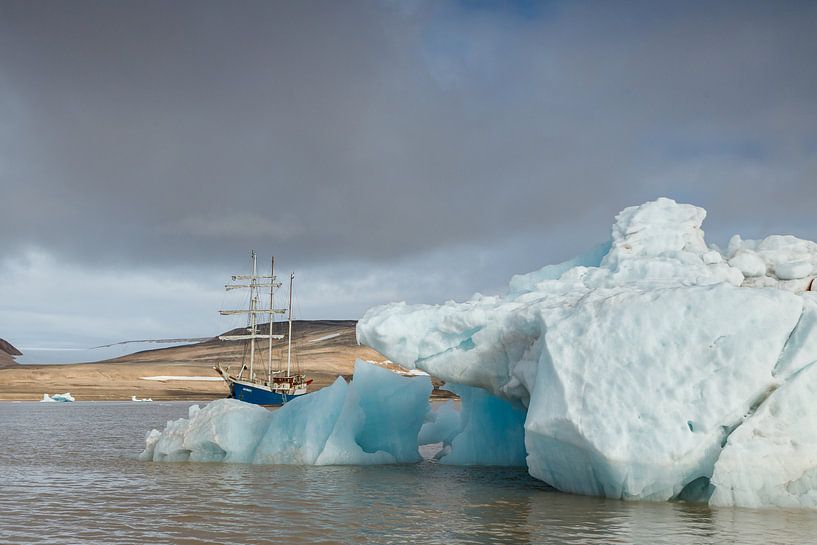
(258, 395)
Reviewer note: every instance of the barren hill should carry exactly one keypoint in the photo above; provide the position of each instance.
(324, 349)
(7, 353)
(319, 346)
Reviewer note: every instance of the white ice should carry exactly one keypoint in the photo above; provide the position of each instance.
(772, 458)
(647, 366)
(64, 398)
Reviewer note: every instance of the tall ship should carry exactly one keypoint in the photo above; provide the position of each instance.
(263, 379)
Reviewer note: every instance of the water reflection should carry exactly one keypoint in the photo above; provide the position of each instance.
(68, 474)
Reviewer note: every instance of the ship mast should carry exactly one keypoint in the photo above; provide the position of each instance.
(254, 311)
(289, 336)
(271, 309)
(274, 389)
(253, 317)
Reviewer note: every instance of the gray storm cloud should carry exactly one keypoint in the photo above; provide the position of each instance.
(377, 130)
(401, 135)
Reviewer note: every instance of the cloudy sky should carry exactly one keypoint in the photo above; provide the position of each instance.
(383, 150)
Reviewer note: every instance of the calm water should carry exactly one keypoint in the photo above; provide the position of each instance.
(68, 474)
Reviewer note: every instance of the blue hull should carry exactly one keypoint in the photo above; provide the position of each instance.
(258, 396)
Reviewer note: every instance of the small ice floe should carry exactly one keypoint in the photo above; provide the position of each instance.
(134, 398)
(64, 398)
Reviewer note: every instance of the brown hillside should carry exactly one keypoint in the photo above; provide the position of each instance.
(324, 349)
(6, 347)
(7, 353)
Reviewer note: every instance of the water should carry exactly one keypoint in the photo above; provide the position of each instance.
(68, 474)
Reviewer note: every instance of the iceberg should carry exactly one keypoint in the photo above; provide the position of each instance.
(653, 367)
(375, 419)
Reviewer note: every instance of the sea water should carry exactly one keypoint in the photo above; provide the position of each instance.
(69, 475)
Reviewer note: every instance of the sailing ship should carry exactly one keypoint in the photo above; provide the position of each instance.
(269, 384)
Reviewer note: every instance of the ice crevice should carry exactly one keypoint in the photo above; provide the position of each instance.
(699, 488)
(653, 367)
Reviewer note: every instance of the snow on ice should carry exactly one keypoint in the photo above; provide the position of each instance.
(652, 367)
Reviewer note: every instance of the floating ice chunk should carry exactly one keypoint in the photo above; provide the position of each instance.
(374, 419)
(64, 398)
(771, 460)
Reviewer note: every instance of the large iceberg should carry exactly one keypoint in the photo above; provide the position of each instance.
(653, 367)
